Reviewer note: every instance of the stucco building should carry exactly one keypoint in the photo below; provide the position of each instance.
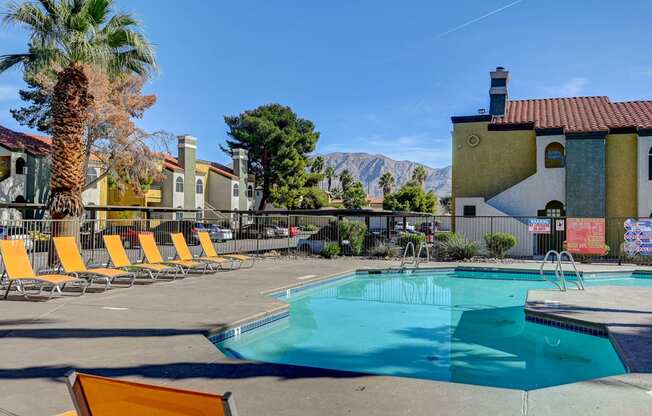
(195, 184)
(25, 173)
(578, 156)
(575, 157)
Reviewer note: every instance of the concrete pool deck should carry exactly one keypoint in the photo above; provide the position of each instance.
(157, 333)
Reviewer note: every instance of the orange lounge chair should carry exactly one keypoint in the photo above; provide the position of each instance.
(119, 259)
(19, 271)
(101, 396)
(183, 251)
(153, 255)
(210, 252)
(72, 263)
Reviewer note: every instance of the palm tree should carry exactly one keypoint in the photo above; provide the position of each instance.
(330, 174)
(317, 165)
(420, 175)
(346, 180)
(386, 182)
(65, 37)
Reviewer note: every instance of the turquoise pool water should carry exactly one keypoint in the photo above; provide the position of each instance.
(460, 326)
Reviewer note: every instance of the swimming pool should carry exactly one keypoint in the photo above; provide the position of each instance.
(463, 326)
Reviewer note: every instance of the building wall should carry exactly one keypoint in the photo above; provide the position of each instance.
(219, 191)
(621, 175)
(644, 193)
(585, 177)
(532, 194)
(499, 161)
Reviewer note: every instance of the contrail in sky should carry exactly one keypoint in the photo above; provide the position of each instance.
(477, 19)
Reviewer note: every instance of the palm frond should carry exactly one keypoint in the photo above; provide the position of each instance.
(9, 61)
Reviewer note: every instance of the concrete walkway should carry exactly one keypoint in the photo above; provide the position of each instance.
(156, 332)
(625, 312)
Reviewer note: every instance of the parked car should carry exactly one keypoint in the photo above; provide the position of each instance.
(425, 228)
(185, 227)
(256, 231)
(8, 232)
(280, 231)
(216, 232)
(128, 235)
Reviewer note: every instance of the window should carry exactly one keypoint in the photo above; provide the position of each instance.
(649, 164)
(469, 210)
(200, 186)
(91, 175)
(236, 190)
(20, 166)
(554, 209)
(200, 215)
(179, 184)
(554, 155)
(250, 191)
(179, 215)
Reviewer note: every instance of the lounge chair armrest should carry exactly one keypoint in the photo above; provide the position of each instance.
(48, 270)
(94, 265)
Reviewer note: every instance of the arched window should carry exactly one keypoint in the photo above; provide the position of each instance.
(555, 209)
(91, 175)
(20, 166)
(200, 186)
(250, 191)
(555, 155)
(179, 184)
(649, 164)
(20, 199)
(236, 190)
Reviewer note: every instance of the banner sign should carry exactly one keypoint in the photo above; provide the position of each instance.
(638, 237)
(538, 225)
(585, 235)
(560, 225)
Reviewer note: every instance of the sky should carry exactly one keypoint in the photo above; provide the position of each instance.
(375, 76)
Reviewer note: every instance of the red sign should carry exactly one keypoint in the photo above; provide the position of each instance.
(585, 235)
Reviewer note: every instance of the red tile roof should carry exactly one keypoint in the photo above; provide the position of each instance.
(30, 143)
(578, 114)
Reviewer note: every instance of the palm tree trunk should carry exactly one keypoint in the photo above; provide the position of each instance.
(69, 116)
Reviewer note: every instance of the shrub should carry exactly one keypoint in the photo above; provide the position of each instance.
(311, 227)
(439, 250)
(443, 236)
(383, 251)
(459, 248)
(330, 250)
(354, 232)
(498, 244)
(416, 239)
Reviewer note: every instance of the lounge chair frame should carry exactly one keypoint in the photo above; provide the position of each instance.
(169, 271)
(42, 282)
(184, 268)
(209, 261)
(233, 258)
(81, 404)
(89, 274)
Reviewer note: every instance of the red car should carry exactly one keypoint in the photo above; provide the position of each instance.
(127, 234)
(293, 231)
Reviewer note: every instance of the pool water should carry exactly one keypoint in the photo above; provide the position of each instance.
(460, 326)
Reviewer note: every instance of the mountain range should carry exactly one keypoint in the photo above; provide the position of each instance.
(368, 169)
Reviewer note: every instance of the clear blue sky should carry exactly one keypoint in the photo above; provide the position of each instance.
(375, 76)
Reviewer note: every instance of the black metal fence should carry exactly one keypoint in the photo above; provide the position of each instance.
(382, 235)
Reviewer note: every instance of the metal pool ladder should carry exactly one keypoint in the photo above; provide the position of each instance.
(415, 259)
(559, 271)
